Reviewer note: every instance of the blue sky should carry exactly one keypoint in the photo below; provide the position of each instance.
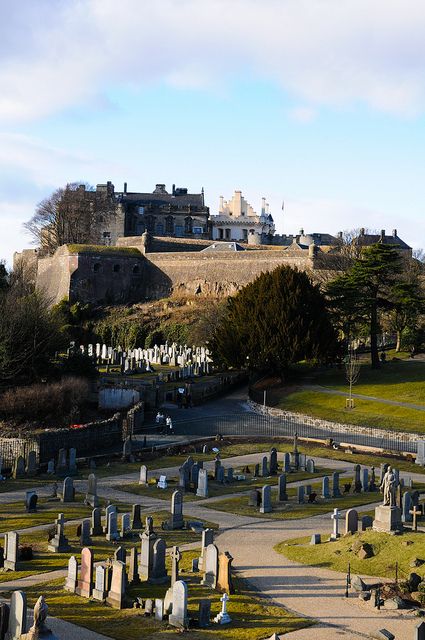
(319, 103)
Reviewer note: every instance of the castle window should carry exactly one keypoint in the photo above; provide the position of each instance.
(136, 269)
(169, 225)
(97, 267)
(150, 224)
(198, 230)
(160, 229)
(188, 224)
(116, 268)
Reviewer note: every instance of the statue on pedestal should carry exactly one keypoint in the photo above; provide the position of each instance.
(389, 486)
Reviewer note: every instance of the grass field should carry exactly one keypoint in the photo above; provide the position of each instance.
(336, 555)
(402, 381)
(252, 618)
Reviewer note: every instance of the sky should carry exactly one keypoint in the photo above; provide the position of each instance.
(317, 104)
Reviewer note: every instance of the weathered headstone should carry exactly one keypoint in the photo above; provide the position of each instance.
(31, 499)
(68, 490)
(71, 582)
(300, 494)
(176, 518)
(11, 545)
(178, 618)
(120, 554)
(194, 475)
(420, 457)
(325, 488)
(310, 466)
(406, 507)
(85, 586)
(367, 522)
(281, 483)
(100, 590)
(220, 475)
(266, 499)
(365, 479)
(316, 538)
(158, 574)
(351, 521)
(204, 613)
(176, 556)
(85, 539)
(133, 570)
(224, 578)
(125, 524)
(336, 493)
(96, 522)
(32, 466)
(19, 467)
(159, 609)
(202, 490)
(116, 595)
(136, 521)
(207, 539)
(62, 466)
(148, 538)
(230, 475)
(264, 467)
(273, 461)
(51, 467)
(143, 478)
(17, 615)
(112, 527)
(210, 566)
(91, 495)
(287, 463)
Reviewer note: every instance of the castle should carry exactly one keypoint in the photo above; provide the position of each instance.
(159, 243)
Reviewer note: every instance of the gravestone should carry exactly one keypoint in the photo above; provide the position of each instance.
(420, 457)
(217, 465)
(96, 522)
(224, 578)
(176, 556)
(159, 609)
(91, 495)
(194, 475)
(336, 493)
(31, 499)
(148, 538)
(100, 591)
(220, 475)
(266, 499)
(310, 466)
(68, 490)
(281, 483)
(264, 467)
(351, 521)
(206, 539)
(19, 467)
(125, 524)
(143, 478)
(11, 546)
(184, 477)
(308, 490)
(230, 475)
(176, 518)
(133, 570)
(367, 522)
(365, 479)
(287, 463)
(256, 470)
(302, 461)
(273, 461)
(335, 517)
(204, 613)
(210, 566)
(116, 595)
(178, 617)
(357, 481)
(32, 466)
(316, 538)
(59, 543)
(17, 615)
(71, 582)
(406, 507)
(4, 619)
(300, 494)
(120, 554)
(202, 490)
(51, 467)
(84, 587)
(62, 466)
(325, 488)
(112, 527)
(419, 631)
(109, 509)
(85, 539)
(136, 522)
(158, 574)
(73, 461)
(223, 617)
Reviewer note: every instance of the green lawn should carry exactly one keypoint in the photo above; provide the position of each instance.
(401, 381)
(291, 510)
(45, 561)
(215, 488)
(252, 618)
(336, 555)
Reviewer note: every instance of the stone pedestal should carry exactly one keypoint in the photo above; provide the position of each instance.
(387, 520)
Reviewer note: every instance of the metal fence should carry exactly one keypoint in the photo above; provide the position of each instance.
(252, 424)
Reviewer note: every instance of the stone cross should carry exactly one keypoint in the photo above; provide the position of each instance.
(415, 512)
(223, 617)
(175, 556)
(335, 517)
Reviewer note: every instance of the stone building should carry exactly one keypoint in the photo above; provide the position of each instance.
(237, 221)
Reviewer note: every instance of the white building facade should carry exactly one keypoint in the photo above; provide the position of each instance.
(237, 221)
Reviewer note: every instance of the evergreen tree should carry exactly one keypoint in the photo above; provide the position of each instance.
(278, 319)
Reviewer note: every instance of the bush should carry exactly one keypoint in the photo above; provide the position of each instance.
(40, 402)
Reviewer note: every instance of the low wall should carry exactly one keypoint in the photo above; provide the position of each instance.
(117, 398)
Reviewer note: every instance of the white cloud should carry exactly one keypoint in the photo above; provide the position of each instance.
(302, 114)
(332, 52)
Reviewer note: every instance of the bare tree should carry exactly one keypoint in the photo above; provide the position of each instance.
(352, 373)
(70, 215)
(341, 257)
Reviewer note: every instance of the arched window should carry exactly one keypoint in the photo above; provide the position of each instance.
(188, 224)
(97, 267)
(169, 225)
(116, 268)
(150, 224)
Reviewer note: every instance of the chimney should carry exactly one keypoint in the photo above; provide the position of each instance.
(263, 206)
(362, 231)
(340, 235)
(221, 205)
(174, 189)
(394, 233)
(382, 235)
(267, 207)
(125, 187)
